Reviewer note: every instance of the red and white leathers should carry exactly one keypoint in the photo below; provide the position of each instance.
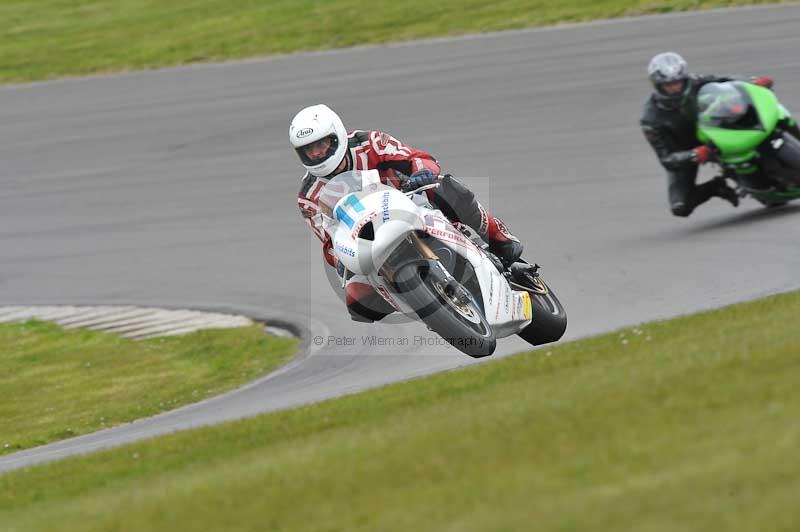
(375, 150)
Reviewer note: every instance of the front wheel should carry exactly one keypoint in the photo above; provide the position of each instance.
(789, 154)
(446, 307)
(549, 317)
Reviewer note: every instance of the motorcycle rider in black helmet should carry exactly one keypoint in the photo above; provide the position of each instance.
(669, 123)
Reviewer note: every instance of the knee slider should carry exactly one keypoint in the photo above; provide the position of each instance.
(359, 312)
(681, 209)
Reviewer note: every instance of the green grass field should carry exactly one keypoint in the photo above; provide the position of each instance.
(684, 425)
(57, 384)
(41, 39)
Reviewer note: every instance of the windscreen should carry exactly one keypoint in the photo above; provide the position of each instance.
(337, 188)
(726, 105)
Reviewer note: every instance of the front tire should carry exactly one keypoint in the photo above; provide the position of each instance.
(789, 154)
(446, 307)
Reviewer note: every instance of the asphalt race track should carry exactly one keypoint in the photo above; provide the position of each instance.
(176, 188)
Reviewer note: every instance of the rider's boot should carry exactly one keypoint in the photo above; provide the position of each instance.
(501, 242)
(722, 190)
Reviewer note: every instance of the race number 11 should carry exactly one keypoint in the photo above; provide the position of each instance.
(350, 204)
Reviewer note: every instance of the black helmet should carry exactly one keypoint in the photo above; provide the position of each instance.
(665, 71)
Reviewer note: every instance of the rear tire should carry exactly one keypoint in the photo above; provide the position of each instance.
(446, 307)
(549, 317)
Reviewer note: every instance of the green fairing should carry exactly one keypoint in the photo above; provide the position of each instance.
(766, 103)
(734, 146)
(739, 145)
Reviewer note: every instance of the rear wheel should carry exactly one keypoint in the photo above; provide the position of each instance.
(549, 317)
(446, 307)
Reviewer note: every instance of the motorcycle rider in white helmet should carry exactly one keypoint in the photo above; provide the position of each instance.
(326, 149)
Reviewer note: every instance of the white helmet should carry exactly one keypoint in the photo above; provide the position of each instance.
(318, 124)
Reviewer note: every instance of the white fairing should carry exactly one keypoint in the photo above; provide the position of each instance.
(393, 216)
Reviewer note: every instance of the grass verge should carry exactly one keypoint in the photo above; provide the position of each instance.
(41, 39)
(57, 384)
(689, 424)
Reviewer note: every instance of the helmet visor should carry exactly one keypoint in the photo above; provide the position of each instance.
(318, 151)
(672, 88)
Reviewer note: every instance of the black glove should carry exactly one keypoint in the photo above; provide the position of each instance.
(419, 179)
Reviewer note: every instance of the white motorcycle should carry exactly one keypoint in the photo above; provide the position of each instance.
(432, 270)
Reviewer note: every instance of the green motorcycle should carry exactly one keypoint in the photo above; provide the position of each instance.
(747, 126)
